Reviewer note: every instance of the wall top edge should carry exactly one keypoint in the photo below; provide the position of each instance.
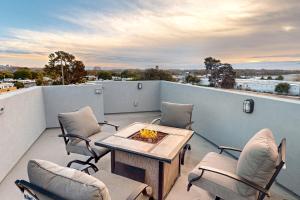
(18, 92)
(241, 93)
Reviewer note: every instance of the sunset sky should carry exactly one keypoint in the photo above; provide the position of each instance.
(139, 33)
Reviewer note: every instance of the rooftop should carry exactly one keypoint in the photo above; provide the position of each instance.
(30, 126)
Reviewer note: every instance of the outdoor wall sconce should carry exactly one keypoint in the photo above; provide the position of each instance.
(248, 106)
(1, 110)
(139, 86)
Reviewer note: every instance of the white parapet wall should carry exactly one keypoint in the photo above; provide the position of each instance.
(219, 116)
(125, 96)
(69, 98)
(21, 123)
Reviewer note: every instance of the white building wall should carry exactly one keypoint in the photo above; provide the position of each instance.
(124, 96)
(218, 116)
(21, 123)
(72, 97)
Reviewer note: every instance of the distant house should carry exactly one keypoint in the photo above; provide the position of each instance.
(6, 87)
(267, 86)
(90, 78)
(27, 82)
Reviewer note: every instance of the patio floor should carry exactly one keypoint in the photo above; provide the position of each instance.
(50, 147)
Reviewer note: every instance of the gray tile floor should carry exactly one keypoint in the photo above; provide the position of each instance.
(50, 147)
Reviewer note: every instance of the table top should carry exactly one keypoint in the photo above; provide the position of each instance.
(165, 150)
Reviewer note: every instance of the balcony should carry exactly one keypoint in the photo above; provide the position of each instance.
(29, 126)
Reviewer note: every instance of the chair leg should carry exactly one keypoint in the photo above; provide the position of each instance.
(186, 147)
(87, 162)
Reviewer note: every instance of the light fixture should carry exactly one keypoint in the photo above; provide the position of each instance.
(139, 86)
(248, 106)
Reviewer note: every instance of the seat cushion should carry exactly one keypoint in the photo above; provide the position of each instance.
(115, 185)
(66, 182)
(216, 184)
(258, 160)
(80, 147)
(82, 122)
(176, 115)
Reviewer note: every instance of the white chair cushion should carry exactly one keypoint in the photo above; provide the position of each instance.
(257, 161)
(176, 115)
(217, 184)
(66, 182)
(82, 122)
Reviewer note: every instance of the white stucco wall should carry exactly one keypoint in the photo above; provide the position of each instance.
(124, 96)
(21, 123)
(69, 98)
(218, 116)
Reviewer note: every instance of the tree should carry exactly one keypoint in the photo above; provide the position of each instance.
(192, 79)
(227, 76)
(132, 73)
(157, 74)
(19, 85)
(211, 68)
(262, 78)
(282, 88)
(6, 74)
(37, 75)
(63, 66)
(280, 78)
(23, 73)
(220, 74)
(104, 75)
(269, 78)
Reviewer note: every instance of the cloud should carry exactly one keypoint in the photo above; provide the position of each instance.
(170, 33)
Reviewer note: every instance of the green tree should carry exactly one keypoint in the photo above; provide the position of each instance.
(192, 79)
(19, 85)
(104, 75)
(158, 74)
(280, 78)
(269, 78)
(37, 74)
(282, 88)
(23, 73)
(132, 73)
(227, 76)
(39, 82)
(61, 62)
(262, 78)
(220, 74)
(6, 74)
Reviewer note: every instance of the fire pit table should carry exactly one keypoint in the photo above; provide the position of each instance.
(155, 161)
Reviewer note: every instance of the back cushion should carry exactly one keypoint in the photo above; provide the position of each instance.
(257, 161)
(176, 115)
(82, 122)
(66, 182)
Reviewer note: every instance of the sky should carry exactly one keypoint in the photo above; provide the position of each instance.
(143, 34)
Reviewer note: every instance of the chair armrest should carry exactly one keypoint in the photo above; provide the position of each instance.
(155, 120)
(222, 148)
(29, 187)
(87, 141)
(75, 136)
(189, 125)
(109, 124)
(142, 189)
(237, 178)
